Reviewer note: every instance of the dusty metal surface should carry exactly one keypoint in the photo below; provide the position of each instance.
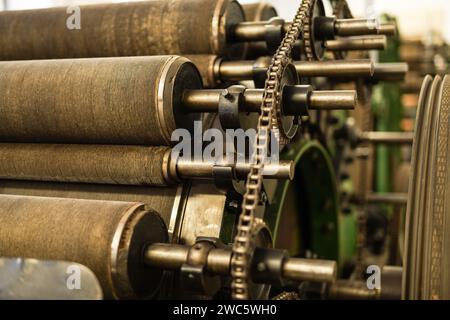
(132, 100)
(126, 165)
(122, 29)
(159, 199)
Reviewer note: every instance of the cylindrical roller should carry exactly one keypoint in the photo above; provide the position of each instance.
(123, 29)
(159, 199)
(131, 100)
(376, 137)
(126, 165)
(357, 43)
(107, 237)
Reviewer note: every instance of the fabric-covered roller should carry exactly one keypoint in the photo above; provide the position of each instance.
(107, 237)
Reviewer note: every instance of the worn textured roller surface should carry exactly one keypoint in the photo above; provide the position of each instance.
(159, 199)
(122, 29)
(130, 100)
(126, 165)
(107, 237)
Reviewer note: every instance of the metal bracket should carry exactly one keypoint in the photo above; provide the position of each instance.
(193, 275)
(231, 101)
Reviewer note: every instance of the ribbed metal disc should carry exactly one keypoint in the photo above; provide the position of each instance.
(426, 262)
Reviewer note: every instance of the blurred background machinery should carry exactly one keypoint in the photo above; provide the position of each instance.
(92, 175)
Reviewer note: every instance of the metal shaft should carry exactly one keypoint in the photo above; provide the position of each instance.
(332, 100)
(390, 71)
(335, 68)
(388, 198)
(310, 270)
(393, 138)
(257, 31)
(172, 257)
(195, 169)
(244, 70)
(359, 27)
(208, 100)
(351, 290)
(357, 43)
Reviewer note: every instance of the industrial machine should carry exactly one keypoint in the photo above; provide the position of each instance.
(170, 159)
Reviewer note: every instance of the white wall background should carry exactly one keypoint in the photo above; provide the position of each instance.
(416, 17)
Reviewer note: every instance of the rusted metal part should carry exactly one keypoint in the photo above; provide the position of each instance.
(107, 237)
(123, 29)
(131, 100)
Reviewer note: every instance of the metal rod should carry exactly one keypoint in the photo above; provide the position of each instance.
(355, 27)
(393, 138)
(387, 29)
(310, 270)
(194, 169)
(166, 256)
(243, 70)
(390, 71)
(388, 198)
(208, 100)
(250, 31)
(236, 70)
(357, 43)
(335, 68)
(332, 100)
(257, 31)
(173, 256)
(351, 290)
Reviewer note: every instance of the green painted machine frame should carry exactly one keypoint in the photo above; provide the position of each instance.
(304, 216)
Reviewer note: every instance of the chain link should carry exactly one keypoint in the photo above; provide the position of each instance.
(269, 121)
